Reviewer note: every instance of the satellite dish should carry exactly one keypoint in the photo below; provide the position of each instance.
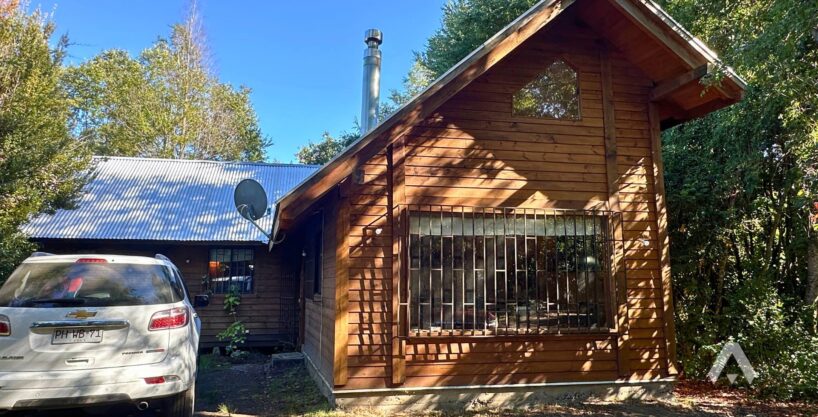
(250, 199)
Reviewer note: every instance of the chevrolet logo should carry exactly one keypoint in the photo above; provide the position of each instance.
(81, 314)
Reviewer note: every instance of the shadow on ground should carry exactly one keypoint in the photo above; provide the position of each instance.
(255, 388)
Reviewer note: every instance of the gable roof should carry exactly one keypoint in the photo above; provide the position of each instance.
(646, 15)
(166, 200)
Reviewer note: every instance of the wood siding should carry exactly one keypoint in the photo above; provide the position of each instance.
(319, 309)
(269, 313)
(473, 152)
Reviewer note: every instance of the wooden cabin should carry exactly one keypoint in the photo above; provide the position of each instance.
(504, 233)
(184, 210)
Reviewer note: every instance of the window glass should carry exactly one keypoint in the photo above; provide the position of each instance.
(313, 255)
(230, 268)
(61, 284)
(553, 94)
(508, 272)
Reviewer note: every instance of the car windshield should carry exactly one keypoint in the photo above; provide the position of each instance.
(63, 284)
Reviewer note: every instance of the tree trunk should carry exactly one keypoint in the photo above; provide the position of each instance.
(812, 271)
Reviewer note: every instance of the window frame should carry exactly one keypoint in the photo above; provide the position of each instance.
(210, 287)
(549, 119)
(314, 245)
(612, 258)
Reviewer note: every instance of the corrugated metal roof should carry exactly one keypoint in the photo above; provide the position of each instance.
(167, 199)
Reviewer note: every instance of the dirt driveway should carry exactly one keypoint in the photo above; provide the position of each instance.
(257, 389)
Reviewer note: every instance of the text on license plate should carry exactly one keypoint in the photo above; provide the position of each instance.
(64, 336)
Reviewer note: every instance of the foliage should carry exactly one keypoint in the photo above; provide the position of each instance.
(739, 185)
(232, 300)
(418, 78)
(321, 152)
(41, 166)
(554, 94)
(236, 333)
(466, 25)
(165, 103)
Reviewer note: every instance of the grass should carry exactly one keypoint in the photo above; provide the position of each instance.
(224, 409)
(293, 392)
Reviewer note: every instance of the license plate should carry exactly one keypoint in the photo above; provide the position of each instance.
(66, 336)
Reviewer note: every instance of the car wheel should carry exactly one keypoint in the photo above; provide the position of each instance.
(181, 404)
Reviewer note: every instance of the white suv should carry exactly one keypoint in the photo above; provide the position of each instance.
(78, 330)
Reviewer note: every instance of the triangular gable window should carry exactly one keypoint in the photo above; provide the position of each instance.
(554, 94)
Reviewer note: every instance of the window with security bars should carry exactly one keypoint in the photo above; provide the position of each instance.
(230, 268)
(507, 271)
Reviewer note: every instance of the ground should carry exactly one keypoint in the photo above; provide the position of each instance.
(253, 387)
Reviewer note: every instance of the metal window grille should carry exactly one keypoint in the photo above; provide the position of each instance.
(231, 267)
(495, 271)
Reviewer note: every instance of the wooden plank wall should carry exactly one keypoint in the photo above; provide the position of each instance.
(263, 312)
(473, 152)
(319, 310)
(370, 274)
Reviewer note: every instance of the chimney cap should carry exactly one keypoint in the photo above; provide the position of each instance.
(373, 38)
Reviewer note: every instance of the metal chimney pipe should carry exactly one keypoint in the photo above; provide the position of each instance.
(372, 80)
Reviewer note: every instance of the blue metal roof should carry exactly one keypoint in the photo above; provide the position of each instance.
(167, 199)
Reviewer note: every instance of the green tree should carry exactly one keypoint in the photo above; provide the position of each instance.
(466, 24)
(740, 183)
(41, 166)
(319, 153)
(166, 103)
(418, 78)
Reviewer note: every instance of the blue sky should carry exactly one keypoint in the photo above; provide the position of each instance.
(301, 58)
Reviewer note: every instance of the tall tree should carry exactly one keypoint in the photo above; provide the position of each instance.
(465, 25)
(319, 153)
(740, 185)
(166, 103)
(41, 166)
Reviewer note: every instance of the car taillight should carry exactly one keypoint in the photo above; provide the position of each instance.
(153, 380)
(169, 319)
(5, 326)
(91, 261)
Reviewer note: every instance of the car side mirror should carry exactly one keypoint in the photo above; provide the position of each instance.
(202, 300)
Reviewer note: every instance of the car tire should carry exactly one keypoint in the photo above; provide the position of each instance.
(181, 404)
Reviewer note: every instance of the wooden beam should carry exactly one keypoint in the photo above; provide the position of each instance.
(340, 371)
(664, 89)
(467, 70)
(663, 239)
(666, 37)
(618, 290)
(395, 198)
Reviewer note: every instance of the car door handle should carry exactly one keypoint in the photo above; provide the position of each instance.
(47, 326)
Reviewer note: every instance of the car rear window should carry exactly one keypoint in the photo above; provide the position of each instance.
(55, 284)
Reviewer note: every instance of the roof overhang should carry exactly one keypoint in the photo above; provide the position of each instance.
(679, 93)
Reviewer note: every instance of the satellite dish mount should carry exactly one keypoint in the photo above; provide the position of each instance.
(251, 202)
